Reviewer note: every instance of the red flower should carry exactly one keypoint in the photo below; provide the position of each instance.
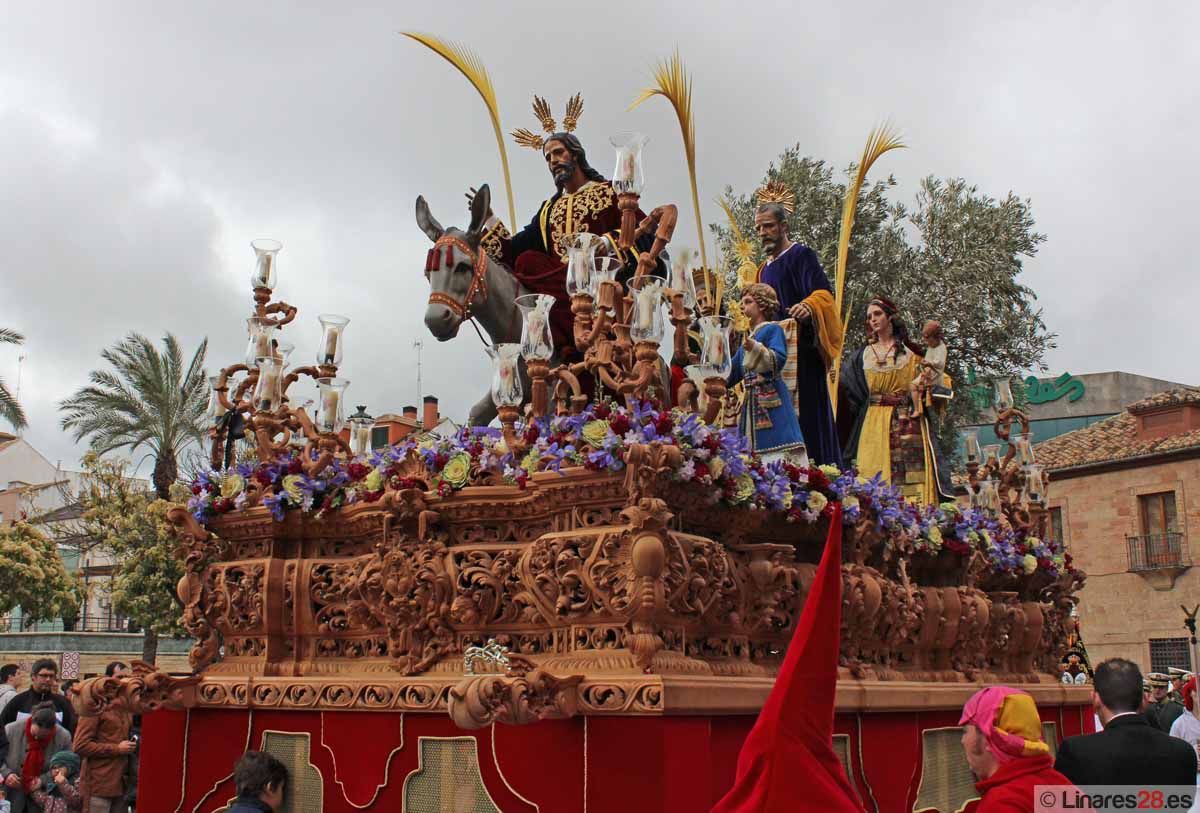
(664, 424)
(619, 424)
(444, 489)
(602, 411)
(702, 470)
(712, 443)
(295, 466)
(196, 489)
(357, 471)
(371, 496)
(817, 479)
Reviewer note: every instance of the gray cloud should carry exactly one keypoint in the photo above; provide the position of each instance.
(142, 147)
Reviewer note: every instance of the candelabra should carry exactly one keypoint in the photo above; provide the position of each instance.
(617, 328)
(1014, 485)
(251, 397)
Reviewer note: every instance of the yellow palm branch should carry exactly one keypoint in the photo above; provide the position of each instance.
(881, 139)
(469, 65)
(675, 86)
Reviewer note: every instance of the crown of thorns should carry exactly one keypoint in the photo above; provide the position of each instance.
(541, 111)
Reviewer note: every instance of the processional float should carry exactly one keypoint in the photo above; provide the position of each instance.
(612, 579)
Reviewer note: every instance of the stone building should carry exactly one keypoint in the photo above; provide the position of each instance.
(1125, 498)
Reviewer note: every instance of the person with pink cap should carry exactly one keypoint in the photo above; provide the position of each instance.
(1002, 737)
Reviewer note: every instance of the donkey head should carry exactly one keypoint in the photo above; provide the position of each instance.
(450, 270)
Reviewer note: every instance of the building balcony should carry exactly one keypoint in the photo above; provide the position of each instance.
(1159, 558)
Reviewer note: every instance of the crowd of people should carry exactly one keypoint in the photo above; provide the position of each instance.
(51, 761)
(1141, 741)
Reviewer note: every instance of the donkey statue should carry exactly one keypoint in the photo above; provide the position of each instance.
(466, 284)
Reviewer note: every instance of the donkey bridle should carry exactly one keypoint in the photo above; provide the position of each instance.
(478, 286)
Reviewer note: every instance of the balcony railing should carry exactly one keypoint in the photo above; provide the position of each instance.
(15, 623)
(1157, 551)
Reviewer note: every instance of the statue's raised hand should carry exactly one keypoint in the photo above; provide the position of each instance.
(470, 196)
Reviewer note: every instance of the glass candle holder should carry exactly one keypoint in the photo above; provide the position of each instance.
(606, 269)
(330, 350)
(714, 344)
(682, 279)
(1035, 484)
(1002, 395)
(506, 377)
(581, 261)
(262, 334)
(283, 351)
(1023, 443)
(360, 431)
(971, 450)
(216, 410)
(265, 252)
(330, 418)
(628, 177)
(267, 395)
(989, 495)
(537, 343)
(991, 455)
(646, 322)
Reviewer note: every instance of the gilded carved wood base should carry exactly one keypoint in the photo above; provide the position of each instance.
(615, 594)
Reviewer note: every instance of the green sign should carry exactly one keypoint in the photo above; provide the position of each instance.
(1043, 392)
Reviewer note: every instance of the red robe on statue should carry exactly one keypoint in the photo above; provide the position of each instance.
(539, 262)
(787, 763)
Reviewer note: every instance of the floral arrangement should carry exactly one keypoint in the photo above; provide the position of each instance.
(598, 439)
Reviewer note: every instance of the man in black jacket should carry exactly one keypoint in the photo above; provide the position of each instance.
(1129, 751)
(44, 677)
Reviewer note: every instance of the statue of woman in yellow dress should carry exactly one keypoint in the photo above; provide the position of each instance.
(887, 438)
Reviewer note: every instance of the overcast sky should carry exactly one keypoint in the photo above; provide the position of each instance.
(143, 145)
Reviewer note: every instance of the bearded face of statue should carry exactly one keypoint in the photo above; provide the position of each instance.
(560, 162)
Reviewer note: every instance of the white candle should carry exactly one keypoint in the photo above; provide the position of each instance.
(646, 301)
(364, 438)
(268, 382)
(262, 344)
(329, 408)
(716, 349)
(263, 278)
(331, 341)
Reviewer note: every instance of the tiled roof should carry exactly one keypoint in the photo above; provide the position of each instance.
(1115, 439)
(1184, 395)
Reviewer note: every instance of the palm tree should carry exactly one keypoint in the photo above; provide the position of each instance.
(10, 410)
(149, 400)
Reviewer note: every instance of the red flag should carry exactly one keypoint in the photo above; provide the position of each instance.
(787, 762)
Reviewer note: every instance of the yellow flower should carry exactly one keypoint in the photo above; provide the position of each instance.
(935, 535)
(817, 501)
(530, 461)
(457, 470)
(715, 467)
(291, 487)
(374, 480)
(743, 488)
(849, 502)
(232, 485)
(594, 432)
(832, 472)
(1029, 562)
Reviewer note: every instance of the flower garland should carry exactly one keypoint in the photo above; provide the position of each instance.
(598, 439)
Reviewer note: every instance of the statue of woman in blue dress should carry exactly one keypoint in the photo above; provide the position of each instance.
(768, 415)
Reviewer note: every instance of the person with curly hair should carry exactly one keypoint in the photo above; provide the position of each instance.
(767, 418)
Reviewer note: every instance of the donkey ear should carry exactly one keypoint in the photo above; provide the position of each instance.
(481, 206)
(433, 230)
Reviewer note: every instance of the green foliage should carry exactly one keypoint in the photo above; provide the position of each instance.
(128, 521)
(33, 577)
(10, 410)
(150, 399)
(955, 257)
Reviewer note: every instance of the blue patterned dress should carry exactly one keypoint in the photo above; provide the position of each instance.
(767, 417)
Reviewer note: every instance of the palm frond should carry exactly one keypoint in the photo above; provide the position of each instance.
(10, 409)
(470, 66)
(675, 86)
(9, 336)
(880, 140)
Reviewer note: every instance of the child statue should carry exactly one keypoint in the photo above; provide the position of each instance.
(933, 367)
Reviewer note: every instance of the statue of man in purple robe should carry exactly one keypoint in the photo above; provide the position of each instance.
(805, 294)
